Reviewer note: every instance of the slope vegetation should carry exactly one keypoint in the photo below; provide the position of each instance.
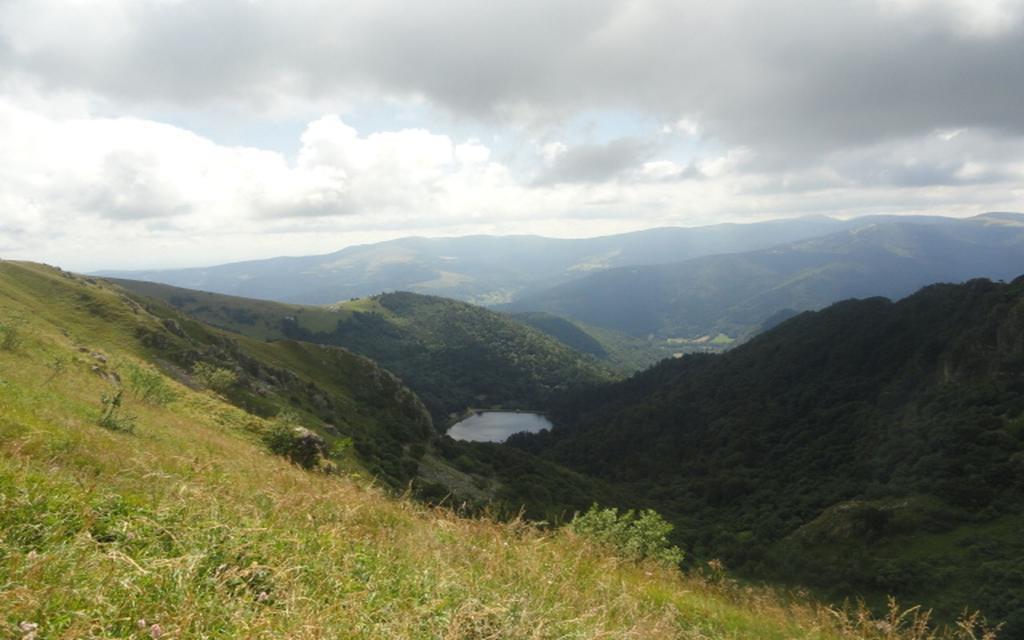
(168, 518)
(452, 354)
(621, 352)
(872, 447)
(345, 398)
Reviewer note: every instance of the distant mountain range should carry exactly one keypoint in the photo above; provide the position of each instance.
(480, 269)
(675, 287)
(736, 293)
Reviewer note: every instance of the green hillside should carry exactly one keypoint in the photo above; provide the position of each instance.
(869, 448)
(167, 516)
(344, 397)
(452, 354)
(622, 352)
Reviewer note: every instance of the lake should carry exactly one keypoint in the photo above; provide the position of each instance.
(497, 426)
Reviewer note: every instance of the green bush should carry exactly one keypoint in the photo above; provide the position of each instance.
(286, 437)
(213, 377)
(111, 416)
(634, 535)
(146, 385)
(10, 336)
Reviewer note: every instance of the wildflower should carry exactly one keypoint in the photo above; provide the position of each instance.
(155, 631)
(28, 629)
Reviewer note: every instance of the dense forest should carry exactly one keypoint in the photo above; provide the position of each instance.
(872, 447)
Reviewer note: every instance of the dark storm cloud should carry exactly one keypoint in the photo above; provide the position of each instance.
(797, 78)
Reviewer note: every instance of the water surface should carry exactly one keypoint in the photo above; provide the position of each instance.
(497, 426)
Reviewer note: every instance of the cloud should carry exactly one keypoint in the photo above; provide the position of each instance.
(568, 117)
(591, 162)
(88, 191)
(792, 79)
(129, 170)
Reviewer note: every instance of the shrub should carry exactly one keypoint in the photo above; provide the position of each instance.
(287, 438)
(10, 336)
(148, 386)
(635, 536)
(213, 377)
(111, 416)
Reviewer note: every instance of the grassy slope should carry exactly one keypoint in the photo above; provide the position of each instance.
(187, 523)
(454, 355)
(622, 352)
(346, 396)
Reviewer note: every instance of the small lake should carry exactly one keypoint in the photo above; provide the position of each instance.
(497, 426)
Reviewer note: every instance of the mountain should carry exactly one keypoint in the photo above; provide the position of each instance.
(873, 448)
(734, 294)
(343, 397)
(478, 269)
(139, 497)
(454, 355)
(623, 353)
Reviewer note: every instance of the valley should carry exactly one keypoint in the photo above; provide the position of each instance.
(868, 449)
(557, 320)
(826, 492)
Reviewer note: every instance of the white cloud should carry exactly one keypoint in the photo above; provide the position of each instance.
(706, 111)
(90, 192)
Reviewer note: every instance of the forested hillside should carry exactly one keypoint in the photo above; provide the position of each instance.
(872, 447)
(622, 352)
(452, 354)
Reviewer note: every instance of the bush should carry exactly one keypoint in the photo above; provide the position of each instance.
(111, 416)
(214, 378)
(635, 536)
(148, 386)
(287, 438)
(10, 336)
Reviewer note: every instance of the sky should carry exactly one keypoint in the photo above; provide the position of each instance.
(167, 133)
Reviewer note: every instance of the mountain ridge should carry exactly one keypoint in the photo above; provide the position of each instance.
(735, 293)
(483, 269)
(455, 355)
